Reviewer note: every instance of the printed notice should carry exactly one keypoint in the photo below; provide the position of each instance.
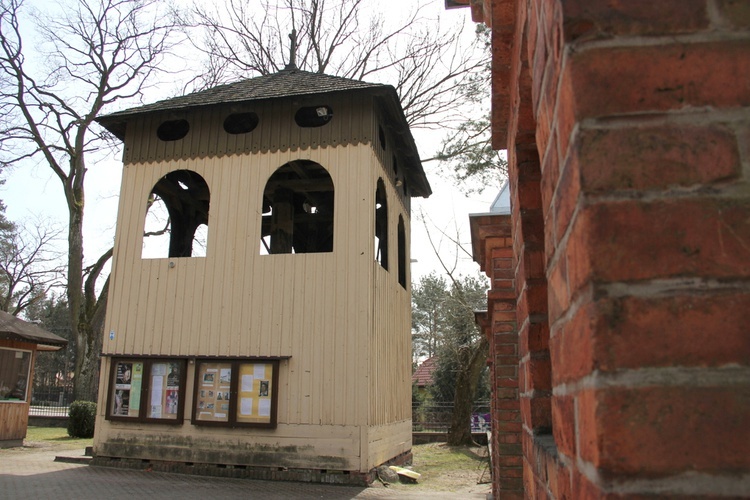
(246, 406)
(155, 411)
(157, 384)
(259, 371)
(264, 407)
(135, 404)
(247, 383)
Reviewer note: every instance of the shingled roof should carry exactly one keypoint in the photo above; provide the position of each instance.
(12, 328)
(287, 83)
(422, 376)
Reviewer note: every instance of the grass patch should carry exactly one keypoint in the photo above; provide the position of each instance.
(56, 436)
(448, 468)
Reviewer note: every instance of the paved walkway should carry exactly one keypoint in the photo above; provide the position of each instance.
(32, 473)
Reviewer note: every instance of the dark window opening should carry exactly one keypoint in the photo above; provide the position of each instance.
(399, 182)
(381, 137)
(240, 123)
(177, 217)
(381, 226)
(298, 210)
(313, 116)
(401, 252)
(173, 130)
(14, 374)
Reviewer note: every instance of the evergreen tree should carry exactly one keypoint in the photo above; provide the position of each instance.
(444, 315)
(53, 369)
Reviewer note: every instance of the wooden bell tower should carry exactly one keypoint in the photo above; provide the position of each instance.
(268, 329)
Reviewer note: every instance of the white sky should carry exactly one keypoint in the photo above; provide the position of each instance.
(31, 192)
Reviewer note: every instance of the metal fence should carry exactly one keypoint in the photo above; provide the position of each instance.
(51, 402)
(436, 417)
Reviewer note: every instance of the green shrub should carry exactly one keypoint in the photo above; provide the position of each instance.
(81, 419)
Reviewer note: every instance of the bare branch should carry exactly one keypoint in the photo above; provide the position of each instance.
(423, 61)
(97, 54)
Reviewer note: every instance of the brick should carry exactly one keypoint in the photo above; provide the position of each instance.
(505, 426)
(550, 173)
(587, 19)
(735, 13)
(703, 237)
(500, 337)
(612, 81)
(652, 431)
(583, 489)
(565, 112)
(536, 295)
(522, 307)
(656, 157)
(510, 461)
(562, 482)
(504, 326)
(572, 347)
(563, 425)
(506, 371)
(550, 242)
(543, 129)
(535, 338)
(536, 413)
(506, 349)
(509, 438)
(588, 440)
(558, 296)
(566, 198)
(539, 373)
(686, 330)
(536, 266)
(528, 472)
(529, 193)
(577, 255)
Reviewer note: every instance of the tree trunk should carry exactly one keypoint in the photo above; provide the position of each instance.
(86, 381)
(472, 361)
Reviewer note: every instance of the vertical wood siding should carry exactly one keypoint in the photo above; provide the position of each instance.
(236, 302)
(344, 322)
(14, 419)
(390, 343)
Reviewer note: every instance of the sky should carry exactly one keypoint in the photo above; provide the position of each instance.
(32, 194)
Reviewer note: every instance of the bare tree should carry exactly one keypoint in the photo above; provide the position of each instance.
(466, 153)
(423, 60)
(29, 266)
(96, 54)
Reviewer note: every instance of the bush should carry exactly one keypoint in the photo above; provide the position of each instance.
(81, 422)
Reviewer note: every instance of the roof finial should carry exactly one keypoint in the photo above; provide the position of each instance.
(292, 50)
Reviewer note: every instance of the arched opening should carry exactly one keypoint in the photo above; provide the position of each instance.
(401, 252)
(177, 217)
(381, 225)
(298, 210)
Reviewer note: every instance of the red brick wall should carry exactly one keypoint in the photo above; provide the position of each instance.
(492, 245)
(627, 125)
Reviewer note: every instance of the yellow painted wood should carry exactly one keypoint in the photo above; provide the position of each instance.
(343, 321)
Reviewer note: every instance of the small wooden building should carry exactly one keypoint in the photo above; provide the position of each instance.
(281, 343)
(19, 343)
